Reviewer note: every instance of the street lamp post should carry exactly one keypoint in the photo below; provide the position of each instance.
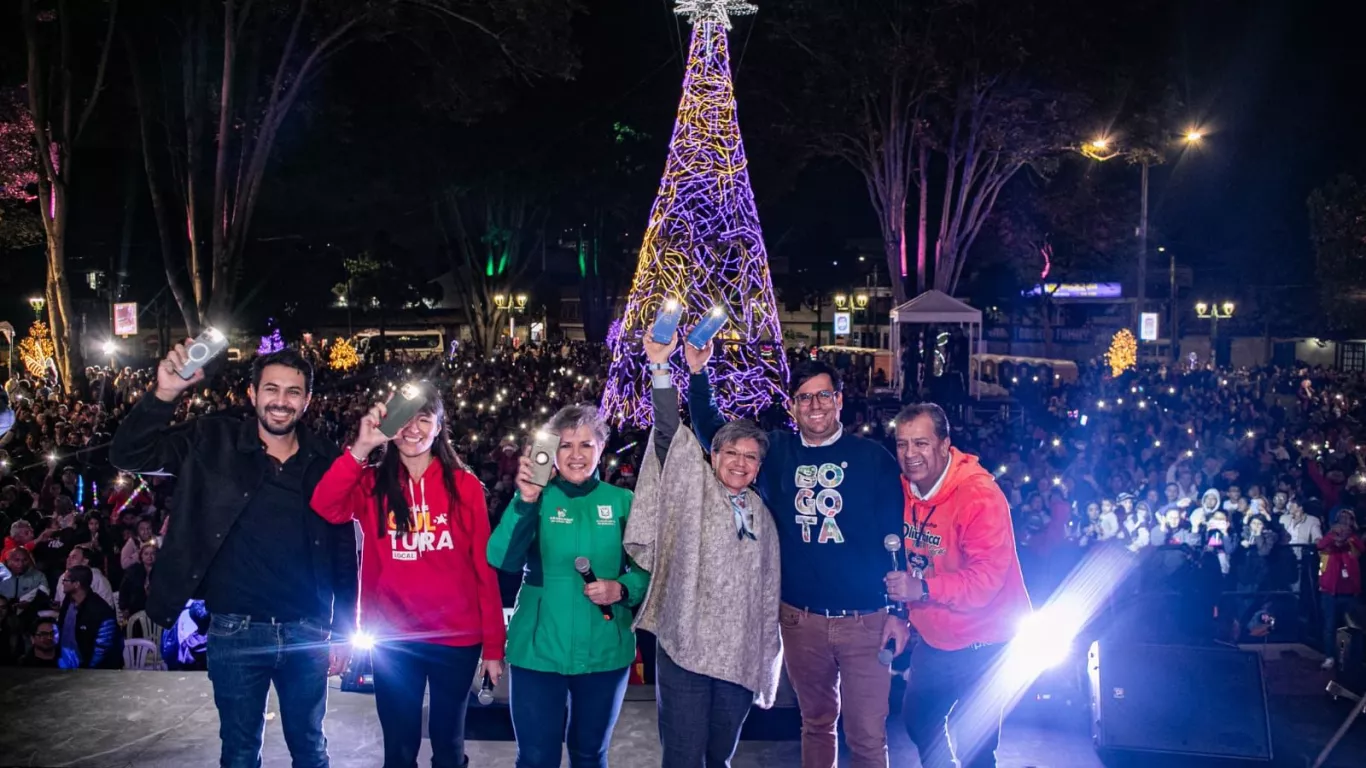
(513, 305)
(1214, 313)
(1101, 149)
(1173, 329)
(37, 303)
(856, 303)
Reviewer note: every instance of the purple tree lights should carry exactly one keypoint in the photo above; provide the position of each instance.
(703, 244)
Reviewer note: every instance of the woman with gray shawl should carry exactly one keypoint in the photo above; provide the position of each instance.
(712, 551)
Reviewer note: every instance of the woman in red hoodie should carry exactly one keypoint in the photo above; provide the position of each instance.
(428, 596)
(1339, 577)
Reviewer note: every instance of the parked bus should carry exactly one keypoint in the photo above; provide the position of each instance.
(413, 344)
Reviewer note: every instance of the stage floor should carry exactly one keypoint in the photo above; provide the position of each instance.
(150, 719)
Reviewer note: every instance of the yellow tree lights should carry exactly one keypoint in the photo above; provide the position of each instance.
(343, 356)
(36, 350)
(1123, 353)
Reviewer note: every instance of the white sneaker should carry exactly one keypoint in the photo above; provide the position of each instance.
(1327, 663)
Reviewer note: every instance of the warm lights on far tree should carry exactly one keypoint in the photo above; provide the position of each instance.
(343, 356)
(1123, 353)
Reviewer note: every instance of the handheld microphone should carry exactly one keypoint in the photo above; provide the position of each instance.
(486, 691)
(585, 570)
(892, 543)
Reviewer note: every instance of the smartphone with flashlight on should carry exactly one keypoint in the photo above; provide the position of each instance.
(706, 330)
(666, 322)
(401, 408)
(543, 450)
(209, 345)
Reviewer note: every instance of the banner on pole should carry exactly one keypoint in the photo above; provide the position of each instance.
(126, 319)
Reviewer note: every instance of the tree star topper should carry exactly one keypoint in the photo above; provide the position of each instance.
(719, 11)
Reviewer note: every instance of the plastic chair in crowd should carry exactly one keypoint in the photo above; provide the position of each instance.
(141, 625)
(139, 653)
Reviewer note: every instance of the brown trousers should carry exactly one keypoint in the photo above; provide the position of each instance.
(832, 664)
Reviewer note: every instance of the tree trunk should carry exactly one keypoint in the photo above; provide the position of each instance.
(61, 316)
(171, 260)
(894, 241)
(923, 219)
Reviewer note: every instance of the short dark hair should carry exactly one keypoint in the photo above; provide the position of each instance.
(38, 625)
(916, 410)
(80, 574)
(84, 550)
(288, 357)
(740, 429)
(804, 372)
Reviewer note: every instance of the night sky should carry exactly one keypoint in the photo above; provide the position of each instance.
(1274, 84)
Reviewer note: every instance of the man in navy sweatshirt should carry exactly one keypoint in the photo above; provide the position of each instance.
(835, 497)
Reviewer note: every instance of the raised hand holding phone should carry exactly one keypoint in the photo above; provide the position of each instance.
(368, 436)
(170, 384)
(656, 351)
(697, 357)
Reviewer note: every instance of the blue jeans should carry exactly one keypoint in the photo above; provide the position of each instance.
(700, 717)
(941, 688)
(538, 716)
(402, 673)
(245, 657)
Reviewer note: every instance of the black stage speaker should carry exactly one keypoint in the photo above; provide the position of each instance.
(1178, 700)
(1351, 659)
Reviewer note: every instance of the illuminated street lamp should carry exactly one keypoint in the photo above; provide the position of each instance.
(513, 305)
(1214, 313)
(37, 302)
(1102, 148)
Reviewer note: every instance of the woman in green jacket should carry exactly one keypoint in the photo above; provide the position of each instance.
(561, 643)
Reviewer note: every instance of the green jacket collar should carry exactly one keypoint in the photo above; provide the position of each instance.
(576, 491)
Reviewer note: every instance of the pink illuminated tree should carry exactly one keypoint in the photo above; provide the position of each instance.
(19, 225)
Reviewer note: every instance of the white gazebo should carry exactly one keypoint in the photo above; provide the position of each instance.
(937, 308)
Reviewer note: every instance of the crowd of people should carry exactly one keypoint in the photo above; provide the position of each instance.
(1241, 486)
(1246, 481)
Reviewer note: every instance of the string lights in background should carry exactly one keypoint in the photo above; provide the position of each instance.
(703, 245)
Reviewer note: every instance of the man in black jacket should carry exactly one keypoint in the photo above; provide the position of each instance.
(279, 581)
(88, 631)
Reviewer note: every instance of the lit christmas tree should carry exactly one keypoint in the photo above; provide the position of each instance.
(703, 245)
(1123, 353)
(343, 356)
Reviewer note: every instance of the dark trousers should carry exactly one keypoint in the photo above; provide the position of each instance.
(245, 657)
(936, 699)
(1335, 609)
(403, 671)
(700, 717)
(538, 716)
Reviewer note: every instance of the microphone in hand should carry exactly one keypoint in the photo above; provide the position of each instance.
(892, 543)
(585, 570)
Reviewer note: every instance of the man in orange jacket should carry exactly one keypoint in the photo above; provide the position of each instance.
(962, 588)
